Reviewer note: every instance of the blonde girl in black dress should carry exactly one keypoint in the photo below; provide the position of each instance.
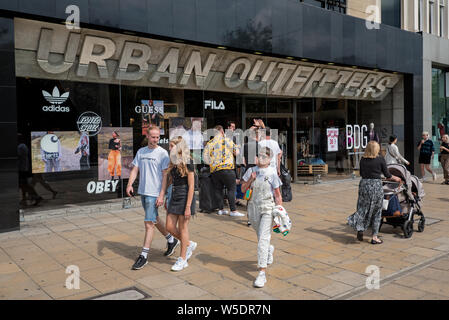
(182, 203)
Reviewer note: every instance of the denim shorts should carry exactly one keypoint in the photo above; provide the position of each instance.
(149, 205)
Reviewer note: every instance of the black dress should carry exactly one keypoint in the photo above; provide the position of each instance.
(178, 201)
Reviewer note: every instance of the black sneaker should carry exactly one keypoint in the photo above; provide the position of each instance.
(171, 247)
(140, 263)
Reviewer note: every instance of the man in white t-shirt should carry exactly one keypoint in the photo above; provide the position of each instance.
(274, 146)
(152, 164)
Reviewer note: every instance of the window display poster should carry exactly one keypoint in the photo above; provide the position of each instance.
(152, 112)
(58, 151)
(332, 139)
(115, 153)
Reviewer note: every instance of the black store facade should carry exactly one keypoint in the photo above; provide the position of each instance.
(68, 93)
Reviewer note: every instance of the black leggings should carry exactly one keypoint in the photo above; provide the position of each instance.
(224, 178)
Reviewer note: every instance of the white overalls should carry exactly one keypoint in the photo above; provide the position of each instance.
(260, 209)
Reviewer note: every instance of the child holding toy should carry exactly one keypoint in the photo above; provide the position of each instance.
(264, 184)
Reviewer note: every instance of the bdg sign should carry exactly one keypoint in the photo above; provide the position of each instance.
(114, 58)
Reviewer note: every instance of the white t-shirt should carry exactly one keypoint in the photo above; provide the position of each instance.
(274, 147)
(268, 173)
(151, 163)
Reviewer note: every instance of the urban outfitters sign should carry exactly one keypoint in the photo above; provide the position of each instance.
(51, 51)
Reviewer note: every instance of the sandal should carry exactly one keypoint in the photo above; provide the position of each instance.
(360, 235)
(376, 242)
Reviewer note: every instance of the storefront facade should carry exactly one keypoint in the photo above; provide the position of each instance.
(77, 92)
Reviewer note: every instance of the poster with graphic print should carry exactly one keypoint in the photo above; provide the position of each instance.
(152, 114)
(115, 153)
(332, 139)
(58, 151)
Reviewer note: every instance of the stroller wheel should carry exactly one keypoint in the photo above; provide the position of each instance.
(408, 229)
(421, 224)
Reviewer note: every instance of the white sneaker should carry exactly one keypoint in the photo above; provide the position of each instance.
(222, 212)
(180, 264)
(236, 214)
(434, 175)
(270, 255)
(260, 280)
(192, 246)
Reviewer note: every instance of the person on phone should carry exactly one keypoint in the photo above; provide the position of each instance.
(181, 206)
(151, 163)
(426, 153)
(393, 155)
(266, 195)
(444, 157)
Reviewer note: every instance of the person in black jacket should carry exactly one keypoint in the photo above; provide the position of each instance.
(369, 204)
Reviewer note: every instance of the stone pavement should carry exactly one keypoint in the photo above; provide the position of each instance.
(319, 259)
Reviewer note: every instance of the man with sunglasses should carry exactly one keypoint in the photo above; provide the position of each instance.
(219, 154)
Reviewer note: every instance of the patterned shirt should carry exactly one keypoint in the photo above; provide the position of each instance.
(219, 153)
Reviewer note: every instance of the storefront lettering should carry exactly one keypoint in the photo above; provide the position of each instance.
(356, 136)
(56, 99)
(100, 186)
(279, 78)
(212, 105)
(90, 123)
(88, 56)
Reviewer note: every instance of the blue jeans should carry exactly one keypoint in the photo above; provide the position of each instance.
(149, 205)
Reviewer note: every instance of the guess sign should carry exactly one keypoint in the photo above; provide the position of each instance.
(90, 123)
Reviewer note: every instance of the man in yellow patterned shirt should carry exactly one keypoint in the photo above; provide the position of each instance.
(219, 155)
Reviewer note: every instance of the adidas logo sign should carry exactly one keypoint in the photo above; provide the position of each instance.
(56, 99)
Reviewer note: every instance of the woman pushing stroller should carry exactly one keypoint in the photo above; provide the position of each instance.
(264, 184)
(371, 195)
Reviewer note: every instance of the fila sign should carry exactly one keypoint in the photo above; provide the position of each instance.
(212, 105)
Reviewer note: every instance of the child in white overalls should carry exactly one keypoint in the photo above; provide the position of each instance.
(265, 185)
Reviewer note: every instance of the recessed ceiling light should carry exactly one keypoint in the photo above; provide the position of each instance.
(330, 63)
(304, 59)
(223, 48)
(257, 52)
(291, 58)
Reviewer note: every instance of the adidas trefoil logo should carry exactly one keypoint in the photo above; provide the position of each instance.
(55, 99)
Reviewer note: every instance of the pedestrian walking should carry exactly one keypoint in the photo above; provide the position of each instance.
(151, 163)
(393, 156)
(182, 202)
(426, 153)
(369, 204)
(444, 157)
(219, 153)
(266, 195)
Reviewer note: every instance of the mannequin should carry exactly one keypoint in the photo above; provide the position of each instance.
(372, 134)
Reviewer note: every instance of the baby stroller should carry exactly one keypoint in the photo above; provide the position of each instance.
(409, 196)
